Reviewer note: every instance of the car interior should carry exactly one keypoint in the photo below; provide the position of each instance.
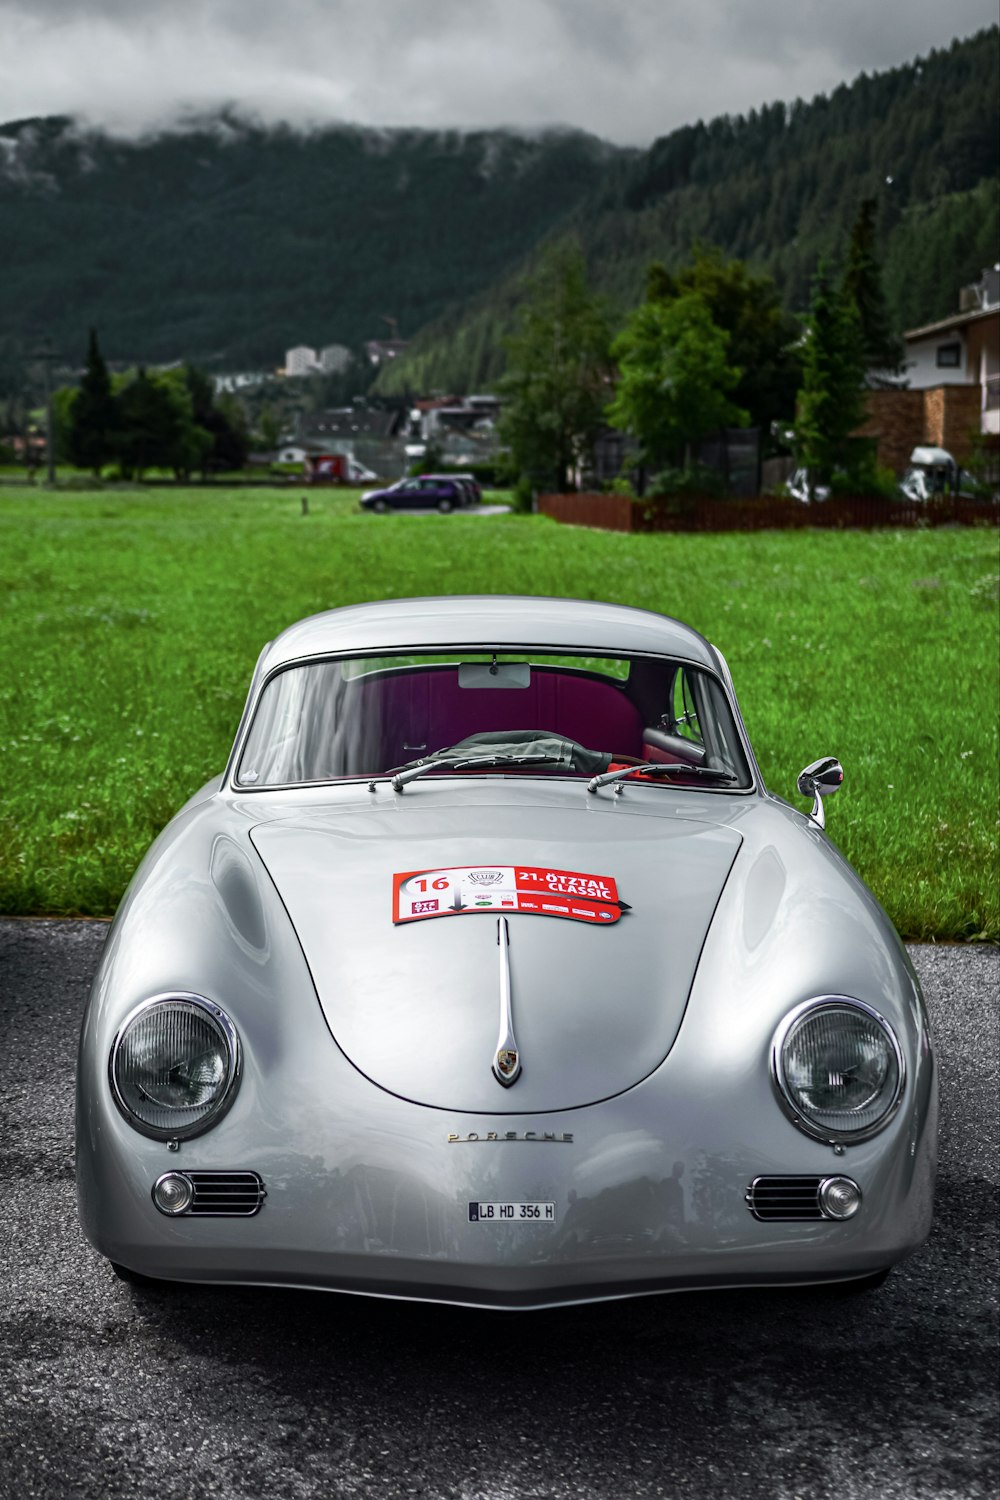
(326, 720)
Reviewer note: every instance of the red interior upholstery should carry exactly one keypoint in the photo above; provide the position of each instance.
(425, 711)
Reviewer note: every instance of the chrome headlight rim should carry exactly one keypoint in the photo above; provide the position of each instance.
(814, 1128)
(230, 1086)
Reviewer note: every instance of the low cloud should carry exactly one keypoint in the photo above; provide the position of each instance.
(627, 72)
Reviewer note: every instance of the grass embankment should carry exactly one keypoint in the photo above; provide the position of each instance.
(131, 623)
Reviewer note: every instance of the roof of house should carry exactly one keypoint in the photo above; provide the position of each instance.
(957, 321)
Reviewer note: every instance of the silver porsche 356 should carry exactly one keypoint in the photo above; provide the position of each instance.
(490, 972)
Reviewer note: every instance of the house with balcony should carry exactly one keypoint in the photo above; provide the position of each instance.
(963, 350)
(952, 399)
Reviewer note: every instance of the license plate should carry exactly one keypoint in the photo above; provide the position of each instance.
(512, 1213)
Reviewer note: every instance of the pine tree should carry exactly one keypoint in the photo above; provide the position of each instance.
(831, 401)
(227, 447)
(863, 284)
(91, 439)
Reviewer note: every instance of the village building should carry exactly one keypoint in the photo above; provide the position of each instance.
(952, 399)
(301, 361)
(380, 351)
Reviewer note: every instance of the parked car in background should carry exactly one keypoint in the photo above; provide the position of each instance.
(932, 472)
(468, 482)
(425, 492)
(800, 488)
(335, 468)
(359, 473)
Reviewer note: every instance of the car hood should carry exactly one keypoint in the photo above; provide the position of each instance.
(416, 1006)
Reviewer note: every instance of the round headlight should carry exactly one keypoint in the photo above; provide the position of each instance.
(174, 1066)
(838, 1069)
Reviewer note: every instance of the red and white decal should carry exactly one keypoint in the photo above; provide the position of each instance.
(419, 894)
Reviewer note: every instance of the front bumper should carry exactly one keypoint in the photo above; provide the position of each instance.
(647, 1199)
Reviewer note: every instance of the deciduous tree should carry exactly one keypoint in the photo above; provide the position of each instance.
(762, 337)
(158, 429)
(674, 378)
(558, 372)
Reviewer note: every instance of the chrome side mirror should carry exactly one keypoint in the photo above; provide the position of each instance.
(821, 779)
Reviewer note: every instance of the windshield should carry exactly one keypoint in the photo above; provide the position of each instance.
(534, 713)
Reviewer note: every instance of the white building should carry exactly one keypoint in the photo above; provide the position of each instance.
(334, 358)
(963, 349)
(301, 361)
(239, 380)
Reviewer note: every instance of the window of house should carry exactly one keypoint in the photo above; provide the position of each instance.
(949, 356)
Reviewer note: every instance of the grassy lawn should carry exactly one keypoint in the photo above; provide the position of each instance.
(131, 623)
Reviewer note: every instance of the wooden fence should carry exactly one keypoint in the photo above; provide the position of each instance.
(766, 513)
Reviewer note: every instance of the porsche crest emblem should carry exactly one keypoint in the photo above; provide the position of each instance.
(507, 1057)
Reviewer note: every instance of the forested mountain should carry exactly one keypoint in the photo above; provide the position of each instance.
(229, 243)
(780, 189)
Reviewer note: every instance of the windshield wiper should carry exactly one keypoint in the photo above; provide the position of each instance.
(441, 763)
(661, 768)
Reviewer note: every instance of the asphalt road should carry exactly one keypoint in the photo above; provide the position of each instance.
(762, 1395)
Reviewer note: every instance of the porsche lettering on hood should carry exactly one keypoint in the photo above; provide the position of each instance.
(415, 1006)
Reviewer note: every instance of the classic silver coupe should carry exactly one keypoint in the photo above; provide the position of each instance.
(489, 972)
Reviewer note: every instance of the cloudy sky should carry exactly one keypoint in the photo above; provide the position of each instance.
(628, 70)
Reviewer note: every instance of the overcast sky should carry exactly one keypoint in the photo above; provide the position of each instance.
(628, 70)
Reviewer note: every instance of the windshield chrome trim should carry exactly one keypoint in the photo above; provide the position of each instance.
(372, 783)
(257, 689)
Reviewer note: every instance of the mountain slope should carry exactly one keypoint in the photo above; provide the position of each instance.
(780, 188)
(230, 243)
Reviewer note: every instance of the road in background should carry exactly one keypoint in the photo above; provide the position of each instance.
(180, 1393)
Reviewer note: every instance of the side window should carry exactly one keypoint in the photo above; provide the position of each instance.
(684, 711)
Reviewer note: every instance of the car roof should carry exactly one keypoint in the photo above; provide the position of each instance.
(931, 456)
(488, 620)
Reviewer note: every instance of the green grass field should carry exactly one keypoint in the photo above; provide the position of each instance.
(132, 621)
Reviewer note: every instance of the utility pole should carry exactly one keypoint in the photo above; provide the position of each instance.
(46, 356)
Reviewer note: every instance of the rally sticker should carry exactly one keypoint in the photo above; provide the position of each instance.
(419, 894)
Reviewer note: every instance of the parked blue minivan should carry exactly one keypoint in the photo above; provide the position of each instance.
(425, 492)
